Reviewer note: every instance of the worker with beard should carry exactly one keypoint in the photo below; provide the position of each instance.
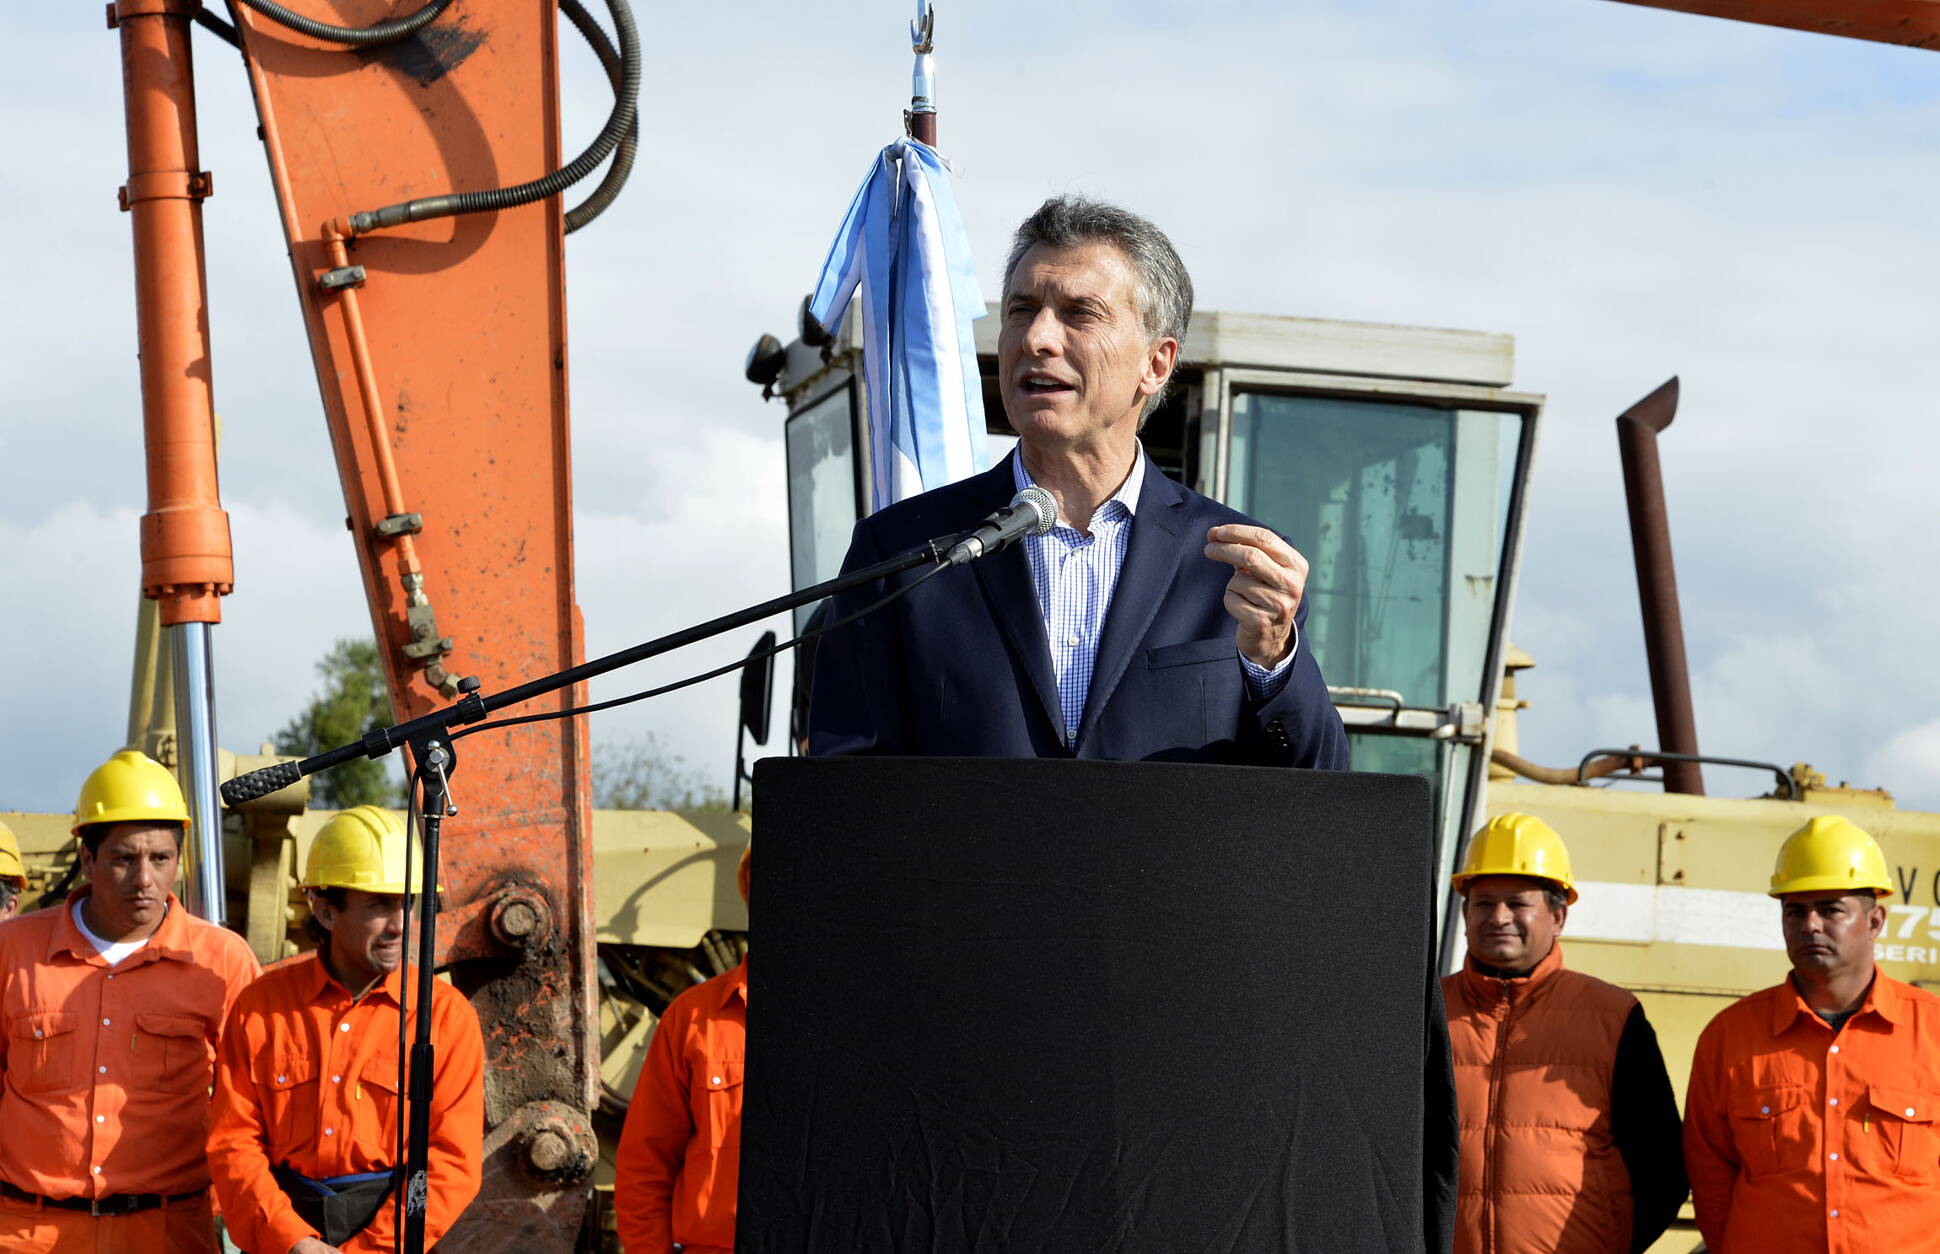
(112, 1006)
(1810, 1120)
(308, 1093)
(1569, 1141)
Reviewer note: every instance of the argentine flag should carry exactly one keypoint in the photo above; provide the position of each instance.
(903, 245)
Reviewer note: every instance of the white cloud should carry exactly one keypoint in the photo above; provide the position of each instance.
(1910, 758)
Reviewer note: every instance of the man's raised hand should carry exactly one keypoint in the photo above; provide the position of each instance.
(1269, 578)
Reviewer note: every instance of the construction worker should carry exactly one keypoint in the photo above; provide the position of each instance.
(1569, 1141)
(678, 1165)
(308, 1099)
(13, 874)
(1810, 1119)
(112, 1007)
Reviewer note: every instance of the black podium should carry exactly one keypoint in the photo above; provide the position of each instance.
(1066, 1006)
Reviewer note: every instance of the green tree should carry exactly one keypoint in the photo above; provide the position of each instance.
(354, 699)
(642, 775)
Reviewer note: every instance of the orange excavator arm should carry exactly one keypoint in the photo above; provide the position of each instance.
(440, 346)
(1912, 23)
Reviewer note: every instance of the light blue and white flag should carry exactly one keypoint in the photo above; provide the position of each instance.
(903, 244)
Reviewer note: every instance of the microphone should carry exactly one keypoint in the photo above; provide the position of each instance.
(1032, 512)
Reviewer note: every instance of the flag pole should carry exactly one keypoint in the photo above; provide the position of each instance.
(920, 119)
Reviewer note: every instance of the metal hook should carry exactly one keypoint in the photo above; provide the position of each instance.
(922, 29)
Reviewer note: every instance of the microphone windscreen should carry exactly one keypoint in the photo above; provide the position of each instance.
(1043, 503)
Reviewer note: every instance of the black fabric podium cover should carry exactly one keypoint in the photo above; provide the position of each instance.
(1066, 1006)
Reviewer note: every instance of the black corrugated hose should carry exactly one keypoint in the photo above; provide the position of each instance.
(617, 125)
(616, 174)
(356, 36)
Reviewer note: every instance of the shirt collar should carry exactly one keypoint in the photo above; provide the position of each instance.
(324, 985)
(1128, 491)
(170, 940)
(735, 984)
(1883, 998)
(1490, 989)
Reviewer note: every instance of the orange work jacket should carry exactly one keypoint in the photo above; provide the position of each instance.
(1534, 1058)
(107, 1068)
(678, 1167)
(307, 1078)
(1800, 1139)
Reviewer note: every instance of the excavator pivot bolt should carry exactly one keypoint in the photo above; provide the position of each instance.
(520, 918)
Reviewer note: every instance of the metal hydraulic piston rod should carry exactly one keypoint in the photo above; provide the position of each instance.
(186, 560)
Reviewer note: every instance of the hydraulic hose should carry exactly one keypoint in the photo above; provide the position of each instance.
(356, 36)
(617, 173)
(452, 204)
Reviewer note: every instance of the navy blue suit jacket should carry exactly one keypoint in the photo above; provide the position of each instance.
(961, 667)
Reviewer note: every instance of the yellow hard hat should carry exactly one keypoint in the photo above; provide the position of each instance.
(11, 867)
(1830, 853)
(129, 787)
(1517, 844)
(362, 848)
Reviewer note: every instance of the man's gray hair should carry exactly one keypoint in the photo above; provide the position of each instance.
(1162, 286)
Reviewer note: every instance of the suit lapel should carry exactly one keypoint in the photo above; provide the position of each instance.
(1151, 558)
(1006, 581)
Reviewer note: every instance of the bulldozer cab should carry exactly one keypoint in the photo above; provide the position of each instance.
(1392, 457)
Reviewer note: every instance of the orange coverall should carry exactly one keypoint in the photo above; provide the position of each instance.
(106, 1077)
(679, 1161)
(307, 1078)
(1800, 1139)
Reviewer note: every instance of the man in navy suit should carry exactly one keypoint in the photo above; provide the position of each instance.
(1150, 623)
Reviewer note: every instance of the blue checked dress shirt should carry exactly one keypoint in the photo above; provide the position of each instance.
(1075, 576)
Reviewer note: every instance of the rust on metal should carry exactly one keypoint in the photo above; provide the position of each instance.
(1597, 768)
(1650, 535)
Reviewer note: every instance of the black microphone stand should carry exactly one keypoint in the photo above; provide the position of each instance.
(429, 739)
(435, 761)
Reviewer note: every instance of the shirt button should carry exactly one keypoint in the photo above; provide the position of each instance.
(1830, 1102)
(111, 975)
(101, 1119)
(330, 1132)
(1834, 1156)
(1909, 1112)
(282, 1079)
(1072, 640)
(714, 1080)
(1835, 1049)
(1835, 1214)
(343, 1027)
(104, 1071)
(38, 1034)
(336, 1079)
(106, 1022)
(97, 1171)
(1764, 1110)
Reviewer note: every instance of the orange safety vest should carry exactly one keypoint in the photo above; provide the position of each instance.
(1534, 1058)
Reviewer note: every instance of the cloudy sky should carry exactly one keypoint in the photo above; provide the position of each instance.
(1632, 194)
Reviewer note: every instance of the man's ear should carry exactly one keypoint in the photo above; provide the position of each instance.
(1562, 916)
(321, 910)
(1160, 361)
